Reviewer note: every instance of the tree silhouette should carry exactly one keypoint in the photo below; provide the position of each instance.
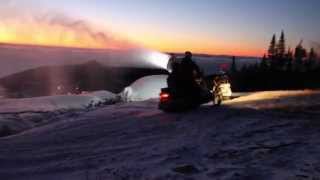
(234, 65)
(299, 55)
(281, 69)
(281, 46)
(272, 48)
(312, 55)
(289, 59)
(264, 63)
(311, 60)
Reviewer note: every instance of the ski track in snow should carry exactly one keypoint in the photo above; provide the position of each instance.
(137, 141)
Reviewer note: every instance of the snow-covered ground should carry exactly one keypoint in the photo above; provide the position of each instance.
(56, 103)
(17, 115)
(306, 100)
(137, 141)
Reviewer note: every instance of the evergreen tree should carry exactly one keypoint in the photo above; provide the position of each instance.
(244, 69)
(289, 53)
(272, 48)
(281, 46)
(311, 60)
(300, 52)
(299, 55)
(264, 63)
(289, 59)
(313, 55)
(234, 65)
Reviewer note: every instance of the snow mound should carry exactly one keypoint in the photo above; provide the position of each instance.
(57, 103)
(18, 115)
(145, 88)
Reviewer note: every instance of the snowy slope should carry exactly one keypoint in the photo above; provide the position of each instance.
(17, 115)
(56, 103)
(137, 141)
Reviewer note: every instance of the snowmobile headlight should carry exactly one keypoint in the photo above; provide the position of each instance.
(159, 59)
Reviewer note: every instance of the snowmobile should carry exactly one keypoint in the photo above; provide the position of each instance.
(222, 87)
(173, 101)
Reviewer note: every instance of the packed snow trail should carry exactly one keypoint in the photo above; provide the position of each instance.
(137, 141)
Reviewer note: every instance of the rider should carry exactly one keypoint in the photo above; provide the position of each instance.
(183, 76)
(189, 71)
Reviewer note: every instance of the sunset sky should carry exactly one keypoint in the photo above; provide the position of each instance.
(237, 27)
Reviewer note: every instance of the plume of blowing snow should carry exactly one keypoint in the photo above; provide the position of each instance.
(19, 26)
(52, 33)
(63, 40)
(58, 30)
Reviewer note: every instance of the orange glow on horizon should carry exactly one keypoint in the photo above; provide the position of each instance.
(44, 33)
(214, 51)
(198, 46)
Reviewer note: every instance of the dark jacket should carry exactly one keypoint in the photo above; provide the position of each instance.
(189, 70)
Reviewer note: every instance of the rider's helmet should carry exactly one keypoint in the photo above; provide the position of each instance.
(188, 54)
(223, 76)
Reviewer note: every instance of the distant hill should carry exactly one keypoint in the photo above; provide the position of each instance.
(215, 55)
(16, 58)
(28, 71)
(53, 80)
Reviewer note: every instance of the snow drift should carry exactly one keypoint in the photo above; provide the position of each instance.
(17, 115)
(56, 103)
(145, 88)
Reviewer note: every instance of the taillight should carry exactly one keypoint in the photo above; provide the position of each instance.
(164, 96)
